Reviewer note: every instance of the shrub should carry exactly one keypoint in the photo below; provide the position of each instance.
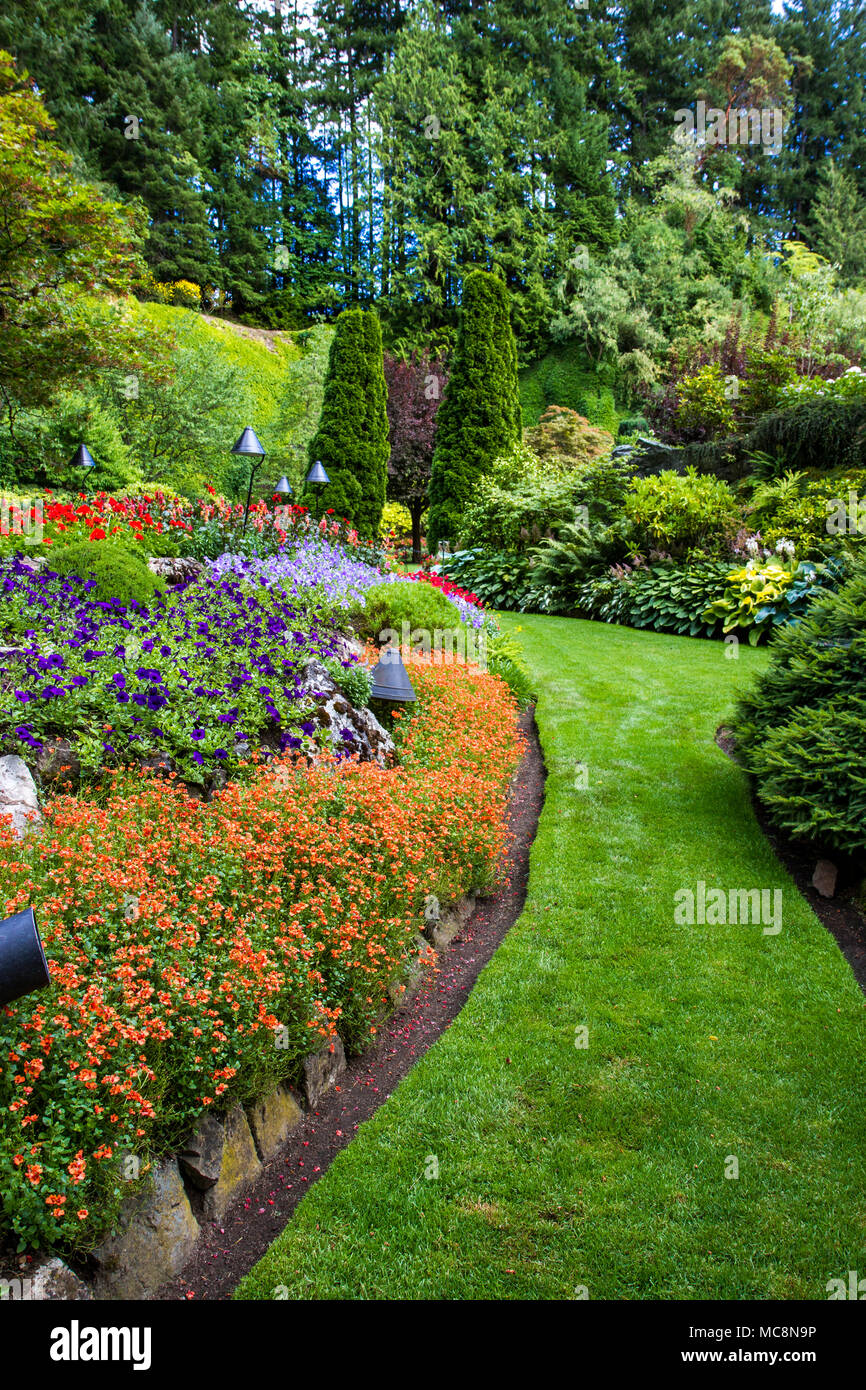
(801, 731)
(116, 571)
(681, 512)
(566, 438)
(352, 439)
(667, 598)
(766, 595)
(479, 417)
(391, 604)
(500, 580)
(705, 410)
(512, 519)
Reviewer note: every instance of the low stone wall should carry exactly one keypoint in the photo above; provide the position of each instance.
(162, 1221)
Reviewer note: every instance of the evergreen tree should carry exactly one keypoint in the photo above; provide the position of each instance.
(479, 417)
(838, 227)
(352, 439)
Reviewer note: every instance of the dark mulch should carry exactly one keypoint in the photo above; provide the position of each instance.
(228, 1251)
(839, 914)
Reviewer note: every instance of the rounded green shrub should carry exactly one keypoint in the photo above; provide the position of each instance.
(419, 605)
(118, 573)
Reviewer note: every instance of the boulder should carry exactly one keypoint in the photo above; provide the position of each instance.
(201, 1157)
(18, 794)
(322, 1070)
(175, 569)
(440, 931)
(366, 737)
(54, 1281)
(56, 762)
(272, 1120)
(155, 1238)
(237, 1167)
(824, 878)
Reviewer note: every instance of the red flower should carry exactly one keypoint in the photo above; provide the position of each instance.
(98, 534)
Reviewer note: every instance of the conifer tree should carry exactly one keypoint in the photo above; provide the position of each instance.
(352, 439)
(479, 418)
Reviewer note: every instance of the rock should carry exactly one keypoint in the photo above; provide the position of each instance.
(156, 1236)
(56, 762)
(824, 878)
(368, 740)
(322, 1070)
(239, 1166)
(346, 646)
(53, 1280)
(400, 991)
(175, 569)
(18, 794)
(441, 931)
(272, 1119)
(201, 1157)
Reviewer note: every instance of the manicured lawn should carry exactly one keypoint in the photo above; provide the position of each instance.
(604, 1166)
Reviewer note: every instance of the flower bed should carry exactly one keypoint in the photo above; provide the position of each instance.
(197, 678)
(198, 952)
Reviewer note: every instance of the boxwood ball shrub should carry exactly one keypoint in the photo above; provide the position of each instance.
(389, 605)
(116, 571)
(801, 730)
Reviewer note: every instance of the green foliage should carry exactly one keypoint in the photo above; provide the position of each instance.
(513, 518)
(681, 513)
(705, 410)
(667, 598)
(801, 731)
(499, 579)
(61, 242)
(504, 659)
(820, 433)
(564, 438)
(765, 595)
(117, 571)
(352, 438)
(566, 376)
(479, 417)
(405, 601)
(355, 682)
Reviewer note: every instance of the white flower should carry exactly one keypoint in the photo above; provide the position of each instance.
(784, 547)
(751, 546)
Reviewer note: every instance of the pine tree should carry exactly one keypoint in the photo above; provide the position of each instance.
(838, 227)
(352, 439)
(479, 418)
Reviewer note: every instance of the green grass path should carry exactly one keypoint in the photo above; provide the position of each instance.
(562, 1166)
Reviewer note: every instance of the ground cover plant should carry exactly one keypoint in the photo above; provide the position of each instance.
(575, 1164)
(199, 951)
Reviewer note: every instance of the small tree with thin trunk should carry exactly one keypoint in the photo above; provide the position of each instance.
(415, 389)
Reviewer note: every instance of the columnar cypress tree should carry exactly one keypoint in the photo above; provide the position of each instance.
(479, 417)
(352, 439)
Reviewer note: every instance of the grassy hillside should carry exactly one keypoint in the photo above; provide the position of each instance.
(566, 376)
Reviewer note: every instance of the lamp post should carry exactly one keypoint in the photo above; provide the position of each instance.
(23, 967)
(284, 487)
(249, 446)
(318, 475)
